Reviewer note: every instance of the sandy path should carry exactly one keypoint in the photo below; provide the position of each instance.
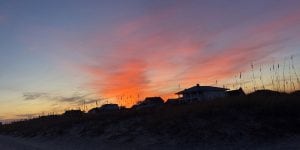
(10, 143)
(77, 143)
(59, 143)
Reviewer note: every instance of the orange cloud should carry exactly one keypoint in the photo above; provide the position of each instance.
(122, 82)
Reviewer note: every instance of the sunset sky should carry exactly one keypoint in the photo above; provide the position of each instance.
(58, 54)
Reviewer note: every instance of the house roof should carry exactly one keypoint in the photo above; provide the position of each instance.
(199, 88)
(153, 100)
(238, 92)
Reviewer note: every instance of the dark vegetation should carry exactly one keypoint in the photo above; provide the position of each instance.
(261, 115)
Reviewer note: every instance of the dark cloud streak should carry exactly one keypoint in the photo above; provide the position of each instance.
(76, 99)
(34, 95)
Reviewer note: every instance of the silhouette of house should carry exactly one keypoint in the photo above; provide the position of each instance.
(234, 93)
(173, 101)
(108, 107)
(199, 93)
(105, 107)
(149, 102)
(73, 113)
